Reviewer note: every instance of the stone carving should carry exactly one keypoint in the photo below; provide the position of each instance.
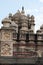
(6, 50)
(6, 36)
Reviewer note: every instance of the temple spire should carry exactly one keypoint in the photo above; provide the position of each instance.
(22, 9)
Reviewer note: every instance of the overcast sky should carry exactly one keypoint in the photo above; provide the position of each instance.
(32, 7)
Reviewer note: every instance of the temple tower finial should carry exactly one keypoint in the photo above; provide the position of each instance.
(22, 9)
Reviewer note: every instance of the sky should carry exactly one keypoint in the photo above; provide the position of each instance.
(31, 7)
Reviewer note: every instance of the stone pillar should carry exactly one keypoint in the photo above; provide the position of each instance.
(39, 39)
(6, 43)
(32, 22)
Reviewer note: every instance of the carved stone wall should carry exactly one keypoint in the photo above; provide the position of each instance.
(6, 49)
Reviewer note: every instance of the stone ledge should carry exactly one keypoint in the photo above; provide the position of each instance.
(14, 60)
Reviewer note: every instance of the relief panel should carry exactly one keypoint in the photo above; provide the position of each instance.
(6, 49)
(6, 36)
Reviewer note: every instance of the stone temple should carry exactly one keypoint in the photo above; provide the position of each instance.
(18, 42)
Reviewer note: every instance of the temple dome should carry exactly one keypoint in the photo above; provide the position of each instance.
(23, 17)
(41, 26)
(38, 31)
(17, 15)
(32, 17)
(6, 20)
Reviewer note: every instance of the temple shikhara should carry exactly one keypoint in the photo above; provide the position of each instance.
(19, 44)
